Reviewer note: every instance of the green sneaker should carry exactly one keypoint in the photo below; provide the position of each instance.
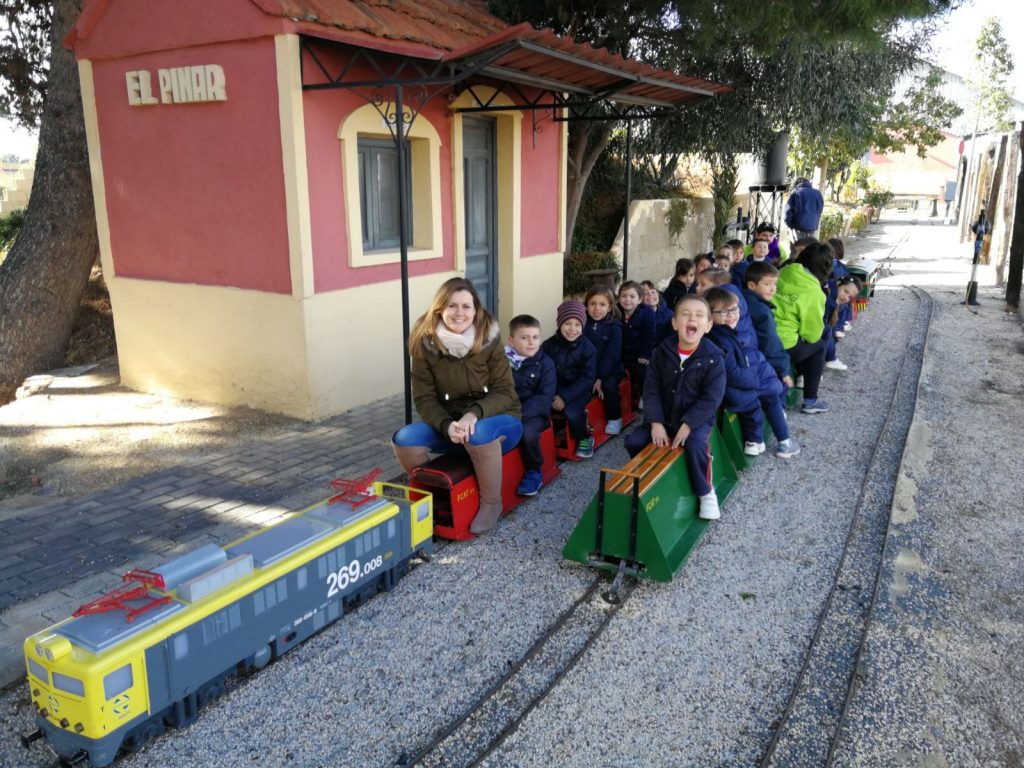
(585, 448)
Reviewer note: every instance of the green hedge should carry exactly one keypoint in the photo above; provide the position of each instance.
(831, 224)
(574, 278)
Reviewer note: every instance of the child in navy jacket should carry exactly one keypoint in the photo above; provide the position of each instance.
(536, 383)
(685, 385)
(662, 313)
(753, 390)
(575, 361)
(762, 281)
(637, 332)
(604, 331)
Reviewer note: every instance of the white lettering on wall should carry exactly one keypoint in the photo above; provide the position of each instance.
(178, 85)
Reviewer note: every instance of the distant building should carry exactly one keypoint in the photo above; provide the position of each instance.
(15, 186)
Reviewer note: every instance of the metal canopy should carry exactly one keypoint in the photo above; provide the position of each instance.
(571, 81)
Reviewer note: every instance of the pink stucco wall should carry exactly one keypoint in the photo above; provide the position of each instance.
(195, 192)
(324, 113)
(541, 171)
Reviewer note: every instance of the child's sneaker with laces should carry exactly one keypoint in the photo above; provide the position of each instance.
(815, 406)
(836, 365)
(753, 449)
(613, 427)
(585, 448)
(709, 507)
(531, 483)
(787, 449)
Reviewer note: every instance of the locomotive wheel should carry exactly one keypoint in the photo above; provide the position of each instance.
(262, 657)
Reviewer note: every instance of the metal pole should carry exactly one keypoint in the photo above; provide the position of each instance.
(629, 194)
(403, 247)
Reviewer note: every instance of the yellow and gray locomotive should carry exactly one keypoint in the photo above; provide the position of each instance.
(152, 653)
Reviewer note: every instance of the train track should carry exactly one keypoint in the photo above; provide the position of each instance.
(809, 729)
(479, 731)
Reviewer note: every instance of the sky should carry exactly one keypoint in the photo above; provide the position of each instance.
(954, 49)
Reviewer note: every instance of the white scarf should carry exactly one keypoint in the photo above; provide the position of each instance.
(457, 344)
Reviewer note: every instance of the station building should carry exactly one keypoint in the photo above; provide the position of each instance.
(244, 158)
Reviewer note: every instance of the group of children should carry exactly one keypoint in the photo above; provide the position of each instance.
(709, 341)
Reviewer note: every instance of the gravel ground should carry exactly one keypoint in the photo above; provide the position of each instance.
(693, 673)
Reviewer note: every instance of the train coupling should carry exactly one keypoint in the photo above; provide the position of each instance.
(613, 594)
(28, 738)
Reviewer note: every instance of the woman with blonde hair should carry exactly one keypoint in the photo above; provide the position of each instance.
(463, 391)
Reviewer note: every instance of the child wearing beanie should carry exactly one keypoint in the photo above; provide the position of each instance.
(575, 362)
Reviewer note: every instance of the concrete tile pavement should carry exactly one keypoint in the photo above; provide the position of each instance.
(54, 557)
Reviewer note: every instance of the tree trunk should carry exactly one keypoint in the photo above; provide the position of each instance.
(47, 269)
(1013, 280)
(587, 142)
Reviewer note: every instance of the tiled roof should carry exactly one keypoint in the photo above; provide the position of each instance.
(442, 25)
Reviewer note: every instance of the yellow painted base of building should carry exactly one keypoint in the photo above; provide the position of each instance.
(309, 359)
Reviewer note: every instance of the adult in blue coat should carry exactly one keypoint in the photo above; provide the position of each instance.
(803, 209)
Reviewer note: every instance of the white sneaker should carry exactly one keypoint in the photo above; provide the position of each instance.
(847, 326)
(613, 427)
(839, 335)
(837, 365)
(799, 383)
(753, 449)
(709, 507)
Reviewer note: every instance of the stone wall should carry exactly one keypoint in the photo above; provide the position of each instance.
(652, 252)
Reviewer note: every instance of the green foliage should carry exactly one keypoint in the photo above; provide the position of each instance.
(993, 67)
(10, 225)
(919, 119)
(831, 224)
(856, 183)
(725, 177)
(576, 265)
(676, 216)
(858, 221)
(879, 198)
(24, 58)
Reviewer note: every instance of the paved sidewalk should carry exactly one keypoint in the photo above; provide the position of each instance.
(55, 557)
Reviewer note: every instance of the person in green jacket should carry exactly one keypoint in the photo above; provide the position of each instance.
(464, 393)
(799, 309)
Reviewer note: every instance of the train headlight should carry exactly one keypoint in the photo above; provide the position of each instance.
(54, 647)
(39, 649)
(79, 727)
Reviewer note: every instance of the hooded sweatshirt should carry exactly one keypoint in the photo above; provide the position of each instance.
(799, 305)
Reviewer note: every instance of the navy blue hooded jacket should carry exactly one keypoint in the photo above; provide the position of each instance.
(804, 207)
(575, 367)
(742, 377)
(536, 385)
(638, 331)
(745, 327)
(606, 336)
(690, 392)
(767, 335)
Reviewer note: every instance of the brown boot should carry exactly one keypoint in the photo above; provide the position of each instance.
(411, 456)
(487, 464)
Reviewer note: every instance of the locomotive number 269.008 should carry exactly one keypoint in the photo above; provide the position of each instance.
(350, 574)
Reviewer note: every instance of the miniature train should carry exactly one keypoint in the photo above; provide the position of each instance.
(451, 480)
(152, 653)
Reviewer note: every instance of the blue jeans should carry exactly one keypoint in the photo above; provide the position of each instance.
(487, 430)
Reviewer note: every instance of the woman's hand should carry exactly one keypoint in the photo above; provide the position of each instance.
(466, 426)
(558, 404)
(658, 435)
(681, 435)
(457, 433)
(598, 390)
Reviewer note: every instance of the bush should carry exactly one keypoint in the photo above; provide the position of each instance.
(858, 221)
(10, 225)
(831, 224)
(574, 277)
(879, 198)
